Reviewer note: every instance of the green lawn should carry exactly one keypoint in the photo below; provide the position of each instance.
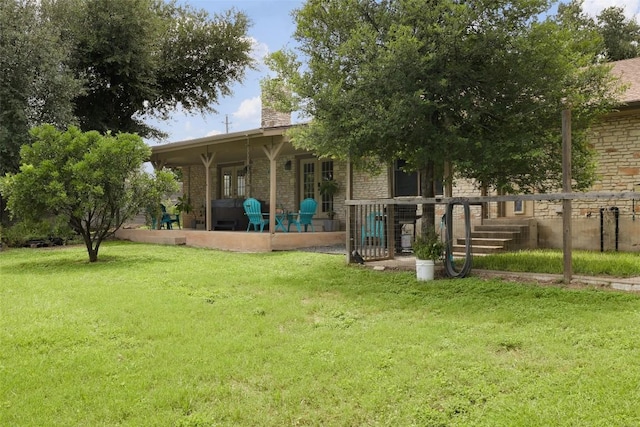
(590, 263)
(177, 336)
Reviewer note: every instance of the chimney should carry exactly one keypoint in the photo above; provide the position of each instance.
(272, 118)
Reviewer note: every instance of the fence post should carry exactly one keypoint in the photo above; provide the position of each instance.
(566, 188)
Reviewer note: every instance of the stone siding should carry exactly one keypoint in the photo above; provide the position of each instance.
(616, 140)
(370, 186)
(194, 186)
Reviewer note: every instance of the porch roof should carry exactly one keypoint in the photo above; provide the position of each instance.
(228, 147)
(237, 147)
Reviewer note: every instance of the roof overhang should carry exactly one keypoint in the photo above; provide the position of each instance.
(228, 148)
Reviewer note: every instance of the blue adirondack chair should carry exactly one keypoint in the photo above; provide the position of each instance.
(169, 219)
(305, 216)
(166, 219)
(374, 228)
(254, 213)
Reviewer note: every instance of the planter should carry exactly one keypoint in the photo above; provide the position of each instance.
(330, 224)
(424, 269)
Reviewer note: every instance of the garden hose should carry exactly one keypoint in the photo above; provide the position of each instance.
(449, 266)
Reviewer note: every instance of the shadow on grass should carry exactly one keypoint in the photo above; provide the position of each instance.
(75, 259)
(293, 272)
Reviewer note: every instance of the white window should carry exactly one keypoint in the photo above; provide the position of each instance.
(233, 181)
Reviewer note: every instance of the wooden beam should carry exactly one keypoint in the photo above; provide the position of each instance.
(349, 209)
(207, 161)
(595, 195)
(158, 164)
(272, 154)
(566, 203)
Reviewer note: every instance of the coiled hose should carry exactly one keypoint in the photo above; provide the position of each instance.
(449, 266)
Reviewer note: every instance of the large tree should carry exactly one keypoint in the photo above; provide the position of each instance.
(109, 65)
(619, 36)
(478, 84)
(95, 182)
(141, 58)
(35, 84)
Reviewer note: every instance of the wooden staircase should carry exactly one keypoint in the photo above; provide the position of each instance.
(500, 235)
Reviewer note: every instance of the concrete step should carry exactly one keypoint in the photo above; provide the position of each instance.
(510, 220)
(457, 255)
(501, 227)
(478, 249)
(486, 241)
(494, 234)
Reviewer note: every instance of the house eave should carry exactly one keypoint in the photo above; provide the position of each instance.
(206, 141)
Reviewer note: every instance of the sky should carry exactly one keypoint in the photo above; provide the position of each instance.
(272, 29)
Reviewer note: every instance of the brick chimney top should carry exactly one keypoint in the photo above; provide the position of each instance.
(272, 118)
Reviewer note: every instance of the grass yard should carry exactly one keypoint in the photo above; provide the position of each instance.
(177, 336)
(589, 263)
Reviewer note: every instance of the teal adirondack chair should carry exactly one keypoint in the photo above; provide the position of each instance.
(169, 219)
(305, 216)
(254, 213)
(373, 228)
(166, 219)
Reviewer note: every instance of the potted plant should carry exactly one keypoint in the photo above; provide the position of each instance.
(428, 249)
(328, 188)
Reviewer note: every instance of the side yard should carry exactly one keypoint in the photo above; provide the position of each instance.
(173, 335)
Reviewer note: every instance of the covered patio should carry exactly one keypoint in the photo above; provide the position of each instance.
(220, 171)
(234, 166)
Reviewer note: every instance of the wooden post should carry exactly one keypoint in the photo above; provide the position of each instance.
(207, 160)
(348, 214)
(272, 155)
(566, 188)
(158, 164)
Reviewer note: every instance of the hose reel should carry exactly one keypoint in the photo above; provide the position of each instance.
(449, 266)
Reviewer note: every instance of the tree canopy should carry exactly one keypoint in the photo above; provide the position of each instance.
(95, 182)
(142, 58)
(108, 65)
(35, 84)
(479, 84)
(619, 36)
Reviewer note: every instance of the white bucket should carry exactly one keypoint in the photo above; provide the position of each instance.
(424, 269)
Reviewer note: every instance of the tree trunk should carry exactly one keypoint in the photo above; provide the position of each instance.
(93, 254)
(428, 191)
(484, 209)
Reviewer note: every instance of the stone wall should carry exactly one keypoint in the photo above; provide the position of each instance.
(193, 178)
(369, 186)
(616, 140)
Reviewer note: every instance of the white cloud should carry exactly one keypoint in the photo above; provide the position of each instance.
(214, 132)
(258, 50)
(594, 7)
(249, 109)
